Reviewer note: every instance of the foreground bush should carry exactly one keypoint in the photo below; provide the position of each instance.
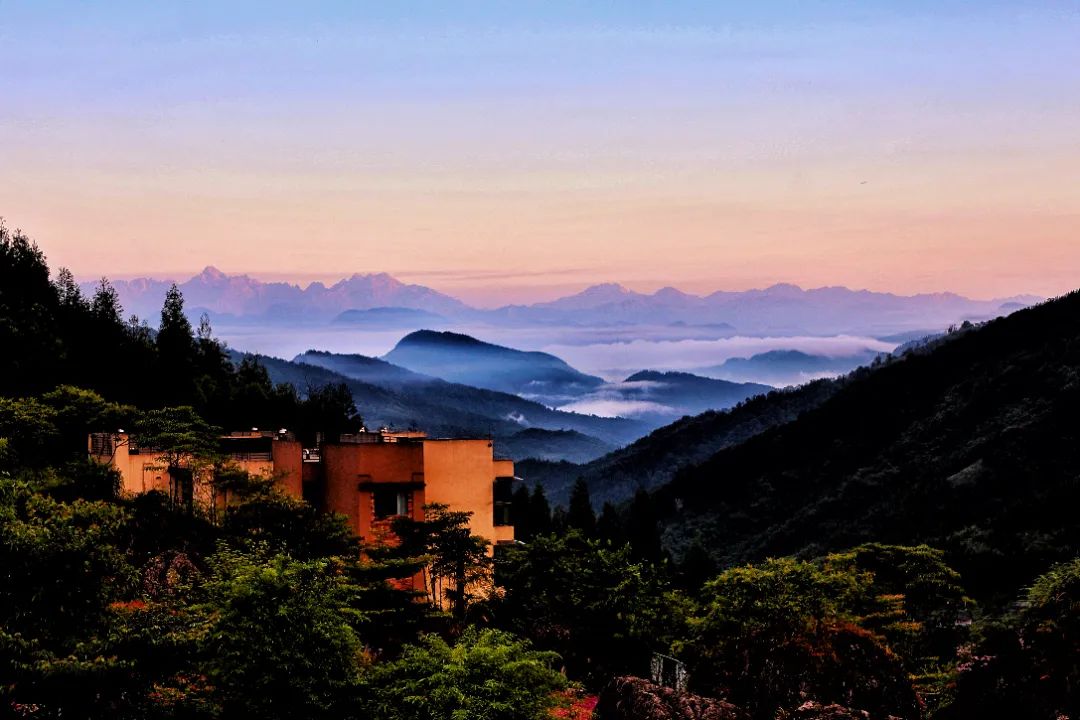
(485, 675)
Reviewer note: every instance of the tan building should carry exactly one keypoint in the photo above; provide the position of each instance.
(369, 477)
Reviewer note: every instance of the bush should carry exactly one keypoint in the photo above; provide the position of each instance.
(485, 675)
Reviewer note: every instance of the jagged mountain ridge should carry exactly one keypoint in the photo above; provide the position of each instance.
(779, 309)
(243, 295)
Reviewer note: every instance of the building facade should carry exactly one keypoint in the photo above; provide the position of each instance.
(369, 477)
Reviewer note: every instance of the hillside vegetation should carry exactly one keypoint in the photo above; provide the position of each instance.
(655, 459)
(971, 444)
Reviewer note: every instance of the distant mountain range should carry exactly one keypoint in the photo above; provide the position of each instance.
(389, 318)
(388, 395)
(776, 310)
(651, 398)
(787, 367)
(243, 296)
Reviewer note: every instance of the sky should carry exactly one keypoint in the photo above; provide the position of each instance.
(517, 151)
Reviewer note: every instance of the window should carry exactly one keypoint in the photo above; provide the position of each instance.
(390, 502)
(502, 495)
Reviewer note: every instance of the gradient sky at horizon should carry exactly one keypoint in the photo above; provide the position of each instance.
(517, 151)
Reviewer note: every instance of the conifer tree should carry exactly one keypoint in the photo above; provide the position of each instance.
(520, 505)
(176, 348)
(539, 512)
(643, 528)
(609, 526)
(105, 305)
(580, 514)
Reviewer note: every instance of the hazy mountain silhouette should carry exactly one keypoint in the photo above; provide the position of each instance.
(782, 309)
(391, 396)
(787, 367)
(461, 358)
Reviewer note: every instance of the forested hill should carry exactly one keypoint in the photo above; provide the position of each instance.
(656, 458)
(972, 446)
(399, 398)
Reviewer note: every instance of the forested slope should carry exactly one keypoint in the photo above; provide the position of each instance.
(972, 445)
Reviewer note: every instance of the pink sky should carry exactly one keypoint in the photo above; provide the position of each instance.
(519, 158)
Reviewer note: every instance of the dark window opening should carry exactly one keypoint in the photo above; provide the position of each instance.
(503, 496)
(390, 502)
(182, 488)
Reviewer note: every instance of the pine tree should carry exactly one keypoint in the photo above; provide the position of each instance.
(580, 514)
(609, 526)
(175, 337)
(643, 528)
(105, 305)
(539, 512)
(68, 290)
(520, 505)
(697, 567)
(176, 349)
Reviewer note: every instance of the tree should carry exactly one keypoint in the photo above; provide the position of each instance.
(68, 291)
(187, 446)
(924, 622)
(29, 430)
(539, 512)
(643, 528)
(519, 513)
(580, 514)
(485, 675)
(609, 526)
(28, 309)
(458, 564)
(63, 566)
(772, 635)
(331, 410)
(283, 523)
(282, 642)
(105, 306)
(696, 567)
(602, 611)
(176, 348)
(1025, 665)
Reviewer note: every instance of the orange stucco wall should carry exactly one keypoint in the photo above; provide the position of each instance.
(457, 473)
(288, 466)
(461, 474)
(144, 471)
(347, 465)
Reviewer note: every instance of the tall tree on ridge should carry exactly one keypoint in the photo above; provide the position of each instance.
(580, 514)
(176, 348)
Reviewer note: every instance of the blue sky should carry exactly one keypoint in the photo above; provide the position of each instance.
(901, 146)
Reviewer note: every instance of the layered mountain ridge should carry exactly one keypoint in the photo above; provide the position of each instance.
(778, 309)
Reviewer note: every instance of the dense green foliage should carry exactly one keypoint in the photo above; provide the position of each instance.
(484, 675)
(592, 603)
(1026, 665)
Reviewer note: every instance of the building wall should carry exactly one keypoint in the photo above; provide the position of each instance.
(144, 471)
(461, 474)
(457, 473)
(348, 465)
(288, 465)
